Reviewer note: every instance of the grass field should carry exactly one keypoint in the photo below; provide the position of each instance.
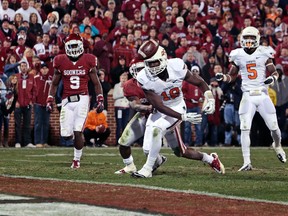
(268, 180)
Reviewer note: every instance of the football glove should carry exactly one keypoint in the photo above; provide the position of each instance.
(208, 106)
(99, 103)
(49, 103)
(194, 118)
(270, 80)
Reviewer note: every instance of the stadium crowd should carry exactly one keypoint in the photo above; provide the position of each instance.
(201, 32)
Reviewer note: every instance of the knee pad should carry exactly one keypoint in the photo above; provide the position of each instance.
(228, 127)
(177, 151)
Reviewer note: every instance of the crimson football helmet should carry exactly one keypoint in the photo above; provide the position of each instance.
(136, 65)
(250, 37)
(74, 45)
(155, 57)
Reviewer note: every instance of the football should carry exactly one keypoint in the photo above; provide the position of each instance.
(148, 49)
(101, 129)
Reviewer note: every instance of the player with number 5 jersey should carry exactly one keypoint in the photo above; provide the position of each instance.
(252, 61)
(75, 68)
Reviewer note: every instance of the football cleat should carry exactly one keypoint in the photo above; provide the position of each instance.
(75, 164)
(156, 165)
(143, 173)
(280, 153)
(245, 167)
(216, 164)
(127, 169)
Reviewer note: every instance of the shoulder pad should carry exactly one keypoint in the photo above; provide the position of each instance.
(267, 51)
(233, 55)
(176, 64)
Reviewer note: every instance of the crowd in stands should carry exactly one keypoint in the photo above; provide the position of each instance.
(201, 32)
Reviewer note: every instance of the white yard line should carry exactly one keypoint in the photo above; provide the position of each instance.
(156, 188)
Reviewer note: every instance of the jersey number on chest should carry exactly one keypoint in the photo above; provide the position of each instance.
(172, 94)
(74, 82)
(252, 71)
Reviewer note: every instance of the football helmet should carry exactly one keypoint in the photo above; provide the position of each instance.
(250, 38)
(136, 65)
(74, 45)
(155, 57)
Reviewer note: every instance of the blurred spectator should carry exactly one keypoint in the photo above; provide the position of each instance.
(5, 31)
(104, 52)
(42, 83)
(26, 10)
(128, 7)
(118, 31)
(86, 22)
(62, 36)
(6, 12)
(20, 48)
(179, 28)
(232, 96)
(122, 49)
(169, 46)
(208, 70)
(283, 59)
(221, 58)
(65, 21)
(24, 107)
(183, 47)
(193, 98)
(118, 70)
(18, 19)
(34, 27)
(106, 87)
(11, 66)
(190, 60)
(284, 43)
(102, 22)
(52, 19)
(96, 127)
(121, 106)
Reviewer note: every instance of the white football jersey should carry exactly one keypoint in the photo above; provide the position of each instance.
(171, 89)
(252, 67)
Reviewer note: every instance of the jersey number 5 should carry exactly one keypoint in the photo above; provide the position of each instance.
(174, 92)
(252, 71)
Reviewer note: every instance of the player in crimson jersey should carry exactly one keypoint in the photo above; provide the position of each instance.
(75, 68)
(136, 127)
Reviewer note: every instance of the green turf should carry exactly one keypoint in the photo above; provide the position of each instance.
(267, 181)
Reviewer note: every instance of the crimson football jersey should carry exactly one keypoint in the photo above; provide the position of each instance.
(131, 89)
(74, 74)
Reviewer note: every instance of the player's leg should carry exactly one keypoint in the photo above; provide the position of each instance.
(132, 132)
(268, 112)
(79, 112)
(181, 150)
(246, 113)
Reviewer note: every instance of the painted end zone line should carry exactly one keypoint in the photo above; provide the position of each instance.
(155, 188)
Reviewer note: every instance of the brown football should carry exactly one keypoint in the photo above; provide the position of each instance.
(101, 129)
(148, 49)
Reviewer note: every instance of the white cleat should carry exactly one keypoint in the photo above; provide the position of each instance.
(127, 169)
(245, 167)
(143, 173)
(280, 153)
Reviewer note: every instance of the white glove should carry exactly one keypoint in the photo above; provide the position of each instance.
(194, 118)
(270, 80)
(208, 106)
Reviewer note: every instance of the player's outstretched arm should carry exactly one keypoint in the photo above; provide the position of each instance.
(231, 76)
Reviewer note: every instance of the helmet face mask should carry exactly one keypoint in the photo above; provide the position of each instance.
(74, 46)
(157, 63)
(135, 68)
(250, 38)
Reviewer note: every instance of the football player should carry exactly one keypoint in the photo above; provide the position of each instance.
(252, 60)
(136, 126)
(75, 68)
(161, 80)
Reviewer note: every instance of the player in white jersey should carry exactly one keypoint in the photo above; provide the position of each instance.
(161, 80)
(252, 61)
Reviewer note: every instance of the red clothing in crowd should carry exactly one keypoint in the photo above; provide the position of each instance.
(122, 50)
(41, 88)
(192, 95)
(284, 62)
(25, 89)
(128, 7)
(103, 24)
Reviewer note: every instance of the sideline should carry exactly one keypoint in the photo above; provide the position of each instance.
(155, 188)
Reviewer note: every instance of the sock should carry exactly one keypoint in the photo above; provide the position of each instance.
(128, 161)
(207, 158)
(245, 145)
(276, 136)
(77, 154)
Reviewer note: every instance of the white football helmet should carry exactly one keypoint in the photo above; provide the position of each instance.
(136, 66)
(246, 40)
(157, 63)
(74, 45)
